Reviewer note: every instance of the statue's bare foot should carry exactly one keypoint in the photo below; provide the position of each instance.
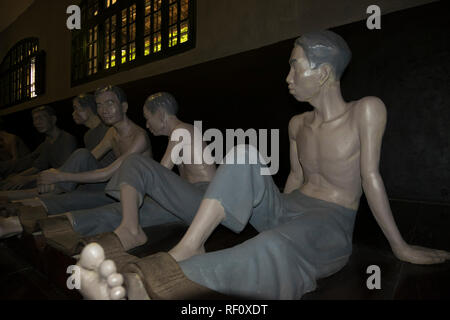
(131, 238)
(183, 252)
(10, 227)
(99, 277)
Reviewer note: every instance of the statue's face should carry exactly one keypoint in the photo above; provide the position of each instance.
(80, 114)
(109, 108)
(303, 82)
(42, 121)
(154, 122)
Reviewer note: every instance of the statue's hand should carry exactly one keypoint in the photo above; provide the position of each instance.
(420, 255)
(48, 177)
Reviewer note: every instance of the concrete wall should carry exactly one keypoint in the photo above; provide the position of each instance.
(224, 27)
(11, 10)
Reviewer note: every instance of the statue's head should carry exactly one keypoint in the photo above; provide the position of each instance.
(317, 57)
(158, 108)
(84, 107)
(112, 104)
(44, 119)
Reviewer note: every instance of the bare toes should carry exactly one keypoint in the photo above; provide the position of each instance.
(117, 293)
(92, 256)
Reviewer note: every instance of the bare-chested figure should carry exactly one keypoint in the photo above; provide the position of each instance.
(53, 152)
(178, 196)
(123, 138)
(171, 197)
(305, 233)
(84, 113)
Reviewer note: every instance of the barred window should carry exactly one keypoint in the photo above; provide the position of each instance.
(22, 73)
(118, 35)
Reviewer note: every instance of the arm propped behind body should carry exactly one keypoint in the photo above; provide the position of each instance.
(372, 122)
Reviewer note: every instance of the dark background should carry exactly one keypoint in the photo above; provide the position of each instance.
(406, 64)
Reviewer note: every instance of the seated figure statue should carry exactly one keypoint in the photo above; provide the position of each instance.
(84, 113)
(12, 148)
(52, 153)
(170, 197)
(123, 138)
(304, 233)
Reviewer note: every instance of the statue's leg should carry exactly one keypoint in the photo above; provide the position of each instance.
(313, 239)
(76, 200)
(107, 218)
(237, 195)
(139, 176)
(80, 160)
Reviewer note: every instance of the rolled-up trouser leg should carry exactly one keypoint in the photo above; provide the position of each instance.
(260, 267)
(75, 200)
(107, 218)
(80, 160)
(245, 194)
(264, 267)
(301, 239)
(280, 263)
(168, 189)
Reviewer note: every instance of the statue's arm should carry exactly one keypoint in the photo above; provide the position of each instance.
(182, 138)
(372, 123)
(167, 160)
(140, 144)
(104, 146)
(295, 179)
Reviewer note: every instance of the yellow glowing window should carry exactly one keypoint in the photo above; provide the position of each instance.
(178, 22)
(109, 3)
(118, 32)
(19, 79)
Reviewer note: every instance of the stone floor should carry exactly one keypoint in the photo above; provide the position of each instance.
(27, 273)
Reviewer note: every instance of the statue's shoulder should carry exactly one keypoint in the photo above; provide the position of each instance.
(111, 133)
(296, 122)
(369, 110)
(188, 126)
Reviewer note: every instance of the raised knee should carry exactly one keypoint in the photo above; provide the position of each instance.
(136, 160)
(273, 240)
(242, 154)
(132, 160)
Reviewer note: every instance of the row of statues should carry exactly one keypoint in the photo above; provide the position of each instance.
(99, 200)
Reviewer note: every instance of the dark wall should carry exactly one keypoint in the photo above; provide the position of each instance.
(406, 64)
